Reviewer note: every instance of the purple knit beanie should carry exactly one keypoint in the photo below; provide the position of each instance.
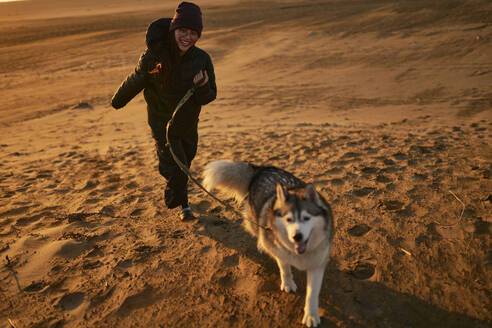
(187, 15)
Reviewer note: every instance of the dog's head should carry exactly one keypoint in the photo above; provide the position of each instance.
(302, 219)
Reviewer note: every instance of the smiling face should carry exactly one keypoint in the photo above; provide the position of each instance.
(185, 39)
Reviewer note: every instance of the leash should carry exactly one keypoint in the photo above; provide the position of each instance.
(185, 169)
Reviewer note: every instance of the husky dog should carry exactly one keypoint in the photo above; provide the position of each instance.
(291, 220)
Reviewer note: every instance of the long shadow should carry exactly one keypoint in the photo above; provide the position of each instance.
(345, 300)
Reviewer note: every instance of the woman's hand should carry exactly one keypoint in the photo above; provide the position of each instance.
(201, 75)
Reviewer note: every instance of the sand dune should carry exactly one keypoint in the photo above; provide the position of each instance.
(384, 105)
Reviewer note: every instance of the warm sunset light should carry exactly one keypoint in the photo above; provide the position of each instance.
(231, 163)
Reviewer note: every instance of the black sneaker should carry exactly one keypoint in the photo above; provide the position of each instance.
(186, 215)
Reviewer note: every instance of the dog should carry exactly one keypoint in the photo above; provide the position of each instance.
(292, 222)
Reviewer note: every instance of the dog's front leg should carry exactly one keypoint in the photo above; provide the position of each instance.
(287, 281)
(314, 281)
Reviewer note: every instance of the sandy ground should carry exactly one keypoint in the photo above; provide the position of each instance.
(385, 105)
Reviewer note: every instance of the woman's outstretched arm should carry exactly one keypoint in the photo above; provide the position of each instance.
(133, 84)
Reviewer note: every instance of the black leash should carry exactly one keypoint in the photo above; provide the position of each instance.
(183, 167)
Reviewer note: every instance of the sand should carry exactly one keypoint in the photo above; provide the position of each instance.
(386, 106)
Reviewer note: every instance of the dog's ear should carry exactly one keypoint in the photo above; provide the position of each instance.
(312, 195)
(281, 193)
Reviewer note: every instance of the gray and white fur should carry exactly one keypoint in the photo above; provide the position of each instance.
(292, 222)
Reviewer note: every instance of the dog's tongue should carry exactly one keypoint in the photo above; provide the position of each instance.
(300, 247)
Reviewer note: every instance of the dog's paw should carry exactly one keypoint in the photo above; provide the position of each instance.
(288, 285)
(311, 318)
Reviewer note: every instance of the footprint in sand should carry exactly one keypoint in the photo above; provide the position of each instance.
(131, 185)
(62, 191)
(392, 205)
(369, 170)
(400, 156)
(110, 188)
(370, 150)
(203, 205)
(112, 178)
(351, 155)
(90, 265)
(137, 212)
(363, 271)
(388, 162)
(91, 184)
(205, 249)
(231, 261)
(35, 286)
(130, 153)
(224, 279)
(71, 301)
(125, 264)
(359, 230)
(140, 300)
(129, 199)
(108, 210)
(383, 179)
(335, 170)
(420, 177)
(482, 227)
(363, 191)
(337, 182)
(339, 163)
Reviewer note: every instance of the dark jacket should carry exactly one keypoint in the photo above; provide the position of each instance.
(162, 97)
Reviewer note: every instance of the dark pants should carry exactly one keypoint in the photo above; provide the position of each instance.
(176, 192)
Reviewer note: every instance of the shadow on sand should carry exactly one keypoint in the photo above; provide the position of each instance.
(345, 300)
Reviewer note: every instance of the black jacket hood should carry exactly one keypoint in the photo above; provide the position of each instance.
(158, 38)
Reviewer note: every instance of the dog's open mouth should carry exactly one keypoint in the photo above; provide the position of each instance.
(300, 247)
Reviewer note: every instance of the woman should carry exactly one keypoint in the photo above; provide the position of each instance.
(170, 66)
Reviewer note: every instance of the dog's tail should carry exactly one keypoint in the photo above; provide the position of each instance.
(229, 176)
